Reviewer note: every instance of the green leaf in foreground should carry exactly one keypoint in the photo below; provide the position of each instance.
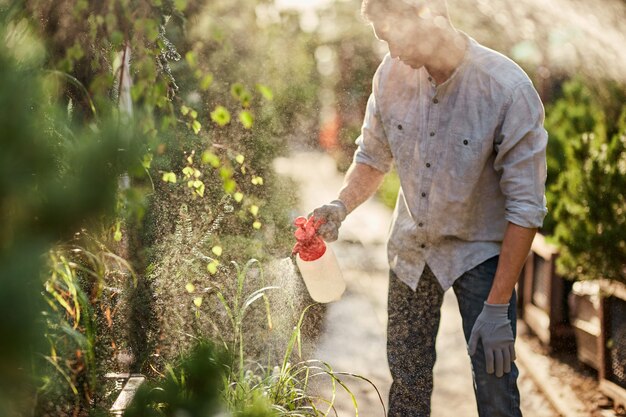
(265, 92)
(246, 119)
(169, 177)
(220, 115)
(206, 82)
(210, 158)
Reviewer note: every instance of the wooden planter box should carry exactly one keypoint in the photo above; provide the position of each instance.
(543, 297)
(584, 309)
(598, 310)
(612, 347)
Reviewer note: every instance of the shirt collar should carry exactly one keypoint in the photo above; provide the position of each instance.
(469, 42)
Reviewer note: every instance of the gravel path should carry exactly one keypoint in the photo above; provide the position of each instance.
(354, 331)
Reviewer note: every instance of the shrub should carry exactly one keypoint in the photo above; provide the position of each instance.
(589, 196)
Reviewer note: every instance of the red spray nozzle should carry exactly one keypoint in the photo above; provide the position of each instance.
(310, 246)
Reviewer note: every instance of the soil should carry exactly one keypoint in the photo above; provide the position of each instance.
(580, 378)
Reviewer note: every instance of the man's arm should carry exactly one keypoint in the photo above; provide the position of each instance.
(521, 162)
(515, 248)
(360, 183)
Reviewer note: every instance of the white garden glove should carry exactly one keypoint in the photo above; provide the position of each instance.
(332, 215)
(493, 327)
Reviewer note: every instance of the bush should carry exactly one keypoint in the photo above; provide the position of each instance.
(589, 195)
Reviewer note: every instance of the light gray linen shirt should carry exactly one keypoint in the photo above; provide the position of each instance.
(470, 154)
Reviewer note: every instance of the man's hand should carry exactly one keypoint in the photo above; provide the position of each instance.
(332, 214)
(493, 327)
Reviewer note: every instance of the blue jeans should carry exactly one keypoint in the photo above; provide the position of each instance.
(411, 333)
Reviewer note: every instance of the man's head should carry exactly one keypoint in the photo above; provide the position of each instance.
(373, 10)
(413, 29)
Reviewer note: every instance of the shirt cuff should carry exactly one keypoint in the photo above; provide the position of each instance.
(363, 158)
(525, 216)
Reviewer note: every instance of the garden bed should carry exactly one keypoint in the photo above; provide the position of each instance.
(581, 379)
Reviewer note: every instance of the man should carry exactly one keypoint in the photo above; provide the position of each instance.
(464, 126)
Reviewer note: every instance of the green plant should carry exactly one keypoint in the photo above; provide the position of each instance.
(82, 327)
(57, 176)
(210, 379)
(591, 203)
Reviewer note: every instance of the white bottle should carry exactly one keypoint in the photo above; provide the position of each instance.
(322, 277)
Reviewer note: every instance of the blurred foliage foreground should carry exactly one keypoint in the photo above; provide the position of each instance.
(135, 186)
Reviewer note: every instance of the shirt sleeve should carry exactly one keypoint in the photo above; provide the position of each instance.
(373, 146)
(521, 158)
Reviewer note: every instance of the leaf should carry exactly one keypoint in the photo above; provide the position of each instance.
(117, 235)
(117, 38)
(220, 115)
(212, 267)
(257, 180)
(146, 162)
(254, 209)
(169, 177)
(217, 250)
(239, 92)
(246, 119)
(236, 90)
(206, 82)
(230, 186)
(184, 110)
(151, 30)
(200, 189)
(245, 98)
(197, 184)
(240, 158)
(190, 287)
(257, 224)
(196, 126)
(190, 57)
(265, 92)
(197, 301)
(226, 173)
(238, 197)
(210, 158)
(188, 172)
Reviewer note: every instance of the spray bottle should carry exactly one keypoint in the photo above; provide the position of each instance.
(317, 262)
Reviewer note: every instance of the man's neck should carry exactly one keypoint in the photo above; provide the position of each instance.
(450, 55)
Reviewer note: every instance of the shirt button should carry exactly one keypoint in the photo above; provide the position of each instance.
(423, 194)
(465, 142)
(421, 224)
(435, 101)
(399, 127)
(427, 164)
(423, 246)
(432, 133)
